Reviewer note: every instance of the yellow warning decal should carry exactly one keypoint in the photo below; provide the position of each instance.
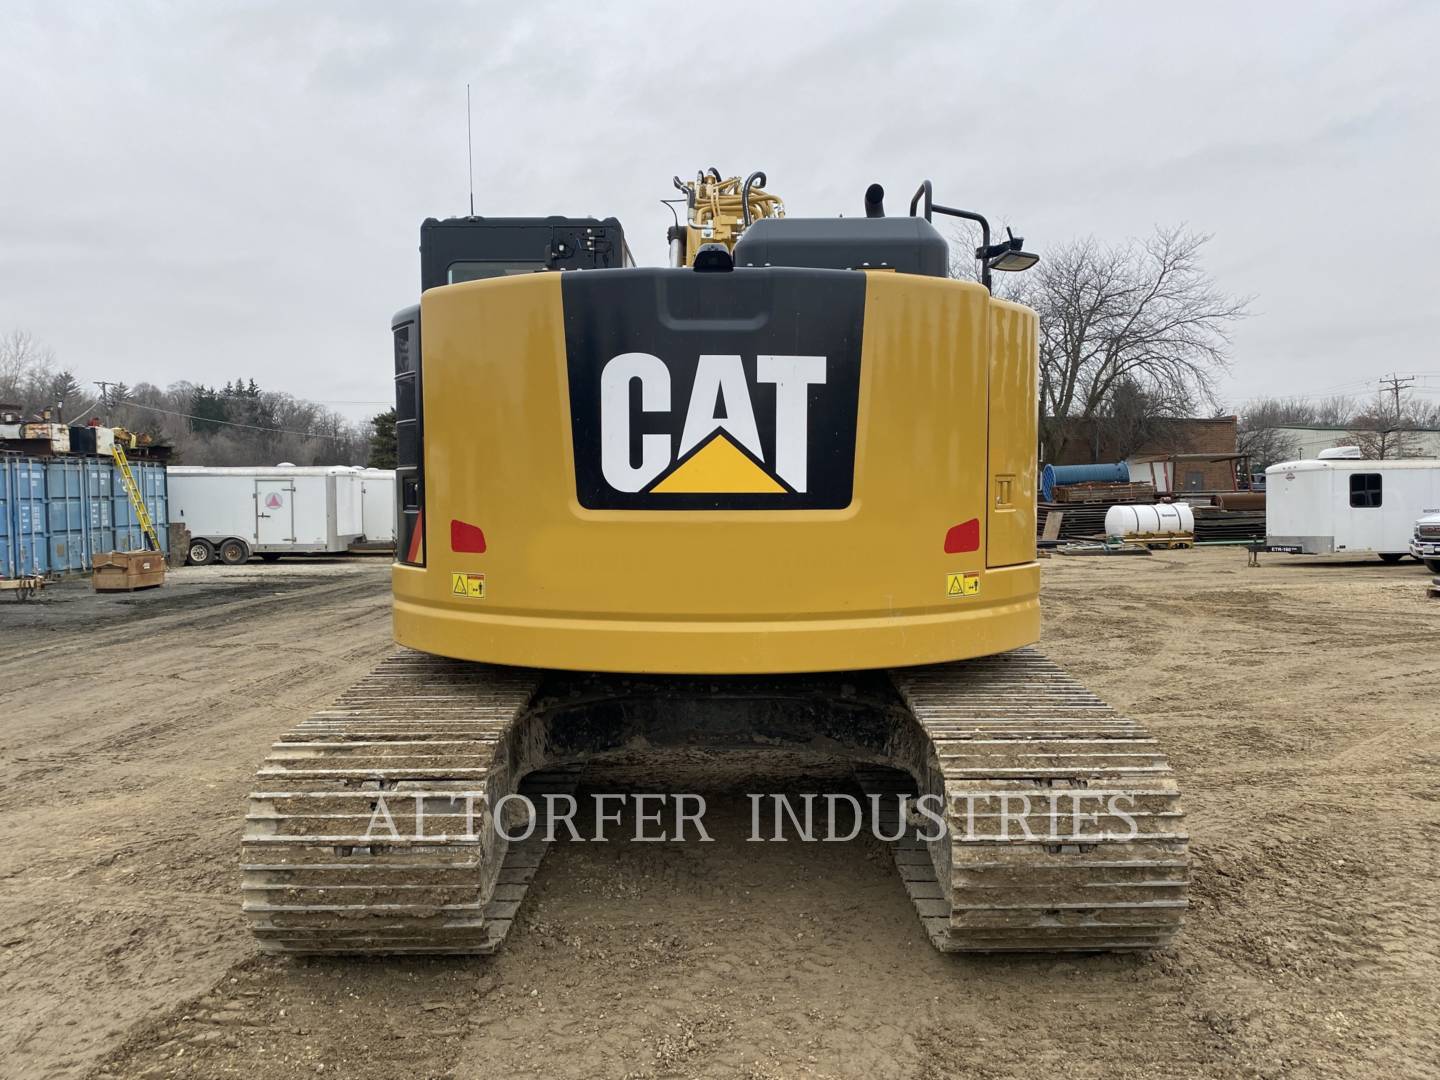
(962, 584)
(472, 585)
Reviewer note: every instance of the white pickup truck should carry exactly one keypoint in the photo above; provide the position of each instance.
(1425, 544)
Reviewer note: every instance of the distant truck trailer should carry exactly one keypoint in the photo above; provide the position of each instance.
(1340, 503)
(233, 513)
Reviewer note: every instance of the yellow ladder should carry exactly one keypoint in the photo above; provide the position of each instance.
(136, 500)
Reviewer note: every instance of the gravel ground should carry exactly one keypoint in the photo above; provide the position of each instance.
(1297, 701)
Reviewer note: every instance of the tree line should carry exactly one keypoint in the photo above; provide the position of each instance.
(1137, 333)
(1385, 426)
(1132, 334)
(239, 423)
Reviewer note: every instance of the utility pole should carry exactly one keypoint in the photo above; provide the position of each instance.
(1394, 383)
(105, 397)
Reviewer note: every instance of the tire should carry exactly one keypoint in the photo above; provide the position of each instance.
(234, 552)
(270, 556)
(201, 553)
(1391, 556)
(1433, 565)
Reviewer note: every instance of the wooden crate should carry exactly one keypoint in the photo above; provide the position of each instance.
(125, 571)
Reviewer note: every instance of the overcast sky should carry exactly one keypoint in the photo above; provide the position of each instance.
(203, 191)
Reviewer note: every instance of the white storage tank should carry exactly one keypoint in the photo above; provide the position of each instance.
(1157, 519)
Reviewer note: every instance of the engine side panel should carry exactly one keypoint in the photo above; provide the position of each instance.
(859, 584)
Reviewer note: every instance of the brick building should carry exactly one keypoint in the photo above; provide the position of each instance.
(1179, 454)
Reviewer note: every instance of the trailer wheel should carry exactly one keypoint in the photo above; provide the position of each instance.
(270, 556)
(1433, 565)
(1391, 556)
(234, 552)
(201, 553)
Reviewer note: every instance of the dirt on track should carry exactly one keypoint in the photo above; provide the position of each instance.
(1298, 702)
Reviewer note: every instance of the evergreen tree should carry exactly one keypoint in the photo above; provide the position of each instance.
(382, 440)
(207, 406)
(65, 391)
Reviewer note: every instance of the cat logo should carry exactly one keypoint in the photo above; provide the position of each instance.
(720, 410)
(719, 450)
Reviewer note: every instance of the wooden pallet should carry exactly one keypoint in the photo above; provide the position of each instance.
(1162, 540)
(1104, 493)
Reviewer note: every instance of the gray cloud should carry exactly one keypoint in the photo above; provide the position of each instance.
(203, 191)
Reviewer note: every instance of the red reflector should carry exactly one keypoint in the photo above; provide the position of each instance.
(466, 537)
(963, 537)
(416, 538)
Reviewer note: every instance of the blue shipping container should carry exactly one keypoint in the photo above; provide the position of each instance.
(57, 514)
(7, 551)
(28, 521)
(65, 503)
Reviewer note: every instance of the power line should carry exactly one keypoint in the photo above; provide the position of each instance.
(1341, 388)
(232, 423)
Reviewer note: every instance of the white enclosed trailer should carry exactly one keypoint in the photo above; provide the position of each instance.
(1334, 505)
(233, 513)
(377, 507)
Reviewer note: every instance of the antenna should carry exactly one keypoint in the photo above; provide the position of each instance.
(469, 150)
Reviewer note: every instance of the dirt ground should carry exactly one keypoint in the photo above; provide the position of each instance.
(1298, 701)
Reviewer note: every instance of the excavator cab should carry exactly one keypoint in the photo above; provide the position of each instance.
(454, 250)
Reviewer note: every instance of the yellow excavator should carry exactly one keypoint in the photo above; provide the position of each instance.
(775, 500)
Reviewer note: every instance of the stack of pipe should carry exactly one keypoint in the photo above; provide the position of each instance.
(1241, 500)
(1053, 476)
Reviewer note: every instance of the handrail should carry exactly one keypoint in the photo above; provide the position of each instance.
(926, 189)
(755, 177)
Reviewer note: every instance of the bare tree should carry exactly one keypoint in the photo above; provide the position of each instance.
(1139, 314)
(1130, 334)
(1262, 426)
(27, 369)
(1129, 419)
(1142, 315)
(1383, 443)
(1386, 428)
(1334, 411)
